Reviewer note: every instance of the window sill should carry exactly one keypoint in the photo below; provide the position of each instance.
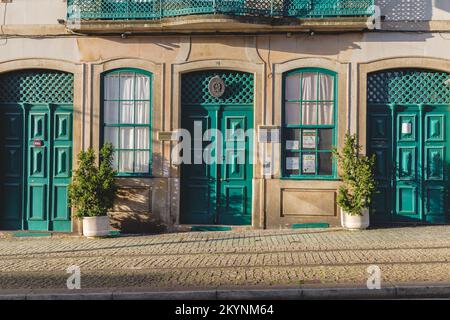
(311, 179)
(143, 176)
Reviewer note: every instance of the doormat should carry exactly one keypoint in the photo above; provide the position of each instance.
(209, 228)
(317, 225)
(31, 234)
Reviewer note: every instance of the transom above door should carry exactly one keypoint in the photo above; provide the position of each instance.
(216, 186)
(408, 121)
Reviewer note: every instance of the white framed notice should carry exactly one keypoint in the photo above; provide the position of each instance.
(309, 139)
(293, 163)
(309, 164)
(292, 145)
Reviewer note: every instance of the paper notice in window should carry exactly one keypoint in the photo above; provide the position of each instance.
(309, 164)
(293, 163)
(309, 139)
(292, 145)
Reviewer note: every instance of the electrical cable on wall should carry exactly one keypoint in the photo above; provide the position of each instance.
(5, 38)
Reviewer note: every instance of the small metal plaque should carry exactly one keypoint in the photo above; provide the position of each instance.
(38, 143)
(166, 136)
(216, 87)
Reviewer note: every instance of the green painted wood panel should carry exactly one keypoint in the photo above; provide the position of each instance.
(407, 125)
(219, 192)
(11, 166)
(235, 187)
(413, 158)
(199, 180)
(36, 110)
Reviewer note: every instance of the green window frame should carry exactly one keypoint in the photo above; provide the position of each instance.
(308, 141)
(114, 127)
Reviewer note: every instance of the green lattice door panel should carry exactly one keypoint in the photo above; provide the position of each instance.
(408, 115)
(11, 166)
(42, 119)
(218, 191)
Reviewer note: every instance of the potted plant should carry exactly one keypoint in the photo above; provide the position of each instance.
(358, 184)
(93, 190)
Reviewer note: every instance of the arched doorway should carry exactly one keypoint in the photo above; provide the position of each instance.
(36, 111)
(408, 121)
(217, 191)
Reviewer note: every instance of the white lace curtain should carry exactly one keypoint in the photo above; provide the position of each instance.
(127, 119)
(316, 99)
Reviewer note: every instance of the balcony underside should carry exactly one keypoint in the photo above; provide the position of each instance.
(220, 24)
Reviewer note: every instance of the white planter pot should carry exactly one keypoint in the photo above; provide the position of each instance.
(96, 226)
(355, 222)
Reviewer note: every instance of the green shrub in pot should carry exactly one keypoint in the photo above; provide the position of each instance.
(358, 180)
(93, 188)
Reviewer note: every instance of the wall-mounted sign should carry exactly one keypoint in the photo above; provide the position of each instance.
(38, 143)
(267, 168)
(216, 87)
(166, 136)
(406, 128)
(293, 163)
(269, 134)
(309, 139)
(309, 164)
(292, 145)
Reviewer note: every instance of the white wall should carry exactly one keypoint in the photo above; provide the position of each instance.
(414, 10)
(33, 11)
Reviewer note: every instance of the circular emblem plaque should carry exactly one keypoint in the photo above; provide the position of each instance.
(216, 87)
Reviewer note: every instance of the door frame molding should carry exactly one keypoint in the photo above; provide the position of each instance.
(365, 68)
(259, 115)
(79, 72)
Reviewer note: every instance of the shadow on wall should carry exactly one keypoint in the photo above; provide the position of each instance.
(133, 209)
(406, 10)
(443, 5)
(410, 14)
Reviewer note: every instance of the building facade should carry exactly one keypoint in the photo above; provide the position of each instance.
(295, 76)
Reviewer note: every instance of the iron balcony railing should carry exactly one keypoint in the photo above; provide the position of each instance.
(158, 9)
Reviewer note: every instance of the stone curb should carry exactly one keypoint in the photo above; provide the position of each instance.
(393, 292)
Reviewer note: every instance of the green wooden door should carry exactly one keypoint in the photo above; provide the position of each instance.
(199, 180)
(436, 171)
(411, 144)
(235, 186)
(49, 146)
(37, 146)
(11, 166)
(218, 189)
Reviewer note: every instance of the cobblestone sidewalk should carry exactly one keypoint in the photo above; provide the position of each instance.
(229, 259)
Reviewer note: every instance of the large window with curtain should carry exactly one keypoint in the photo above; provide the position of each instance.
(309, 124)
(127, 118)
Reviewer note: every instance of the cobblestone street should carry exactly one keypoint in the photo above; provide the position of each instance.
(229, 259)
